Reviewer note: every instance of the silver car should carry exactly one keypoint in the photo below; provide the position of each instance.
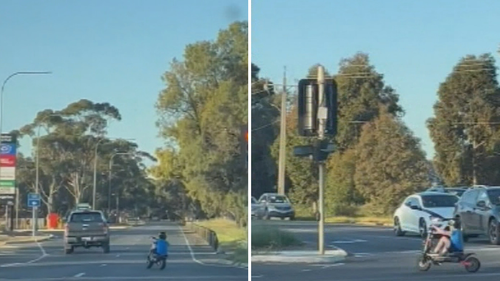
(255, 207)
(273, 205)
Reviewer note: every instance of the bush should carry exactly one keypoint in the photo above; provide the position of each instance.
(267, 237)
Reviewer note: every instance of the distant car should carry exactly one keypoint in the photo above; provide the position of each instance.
(273, 205)
(458, 191)
(86, 228)
(479, 212)
(409, 217)
(255, 206)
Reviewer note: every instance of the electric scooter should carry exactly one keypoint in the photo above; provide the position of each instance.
(154, 258)
(425, 260)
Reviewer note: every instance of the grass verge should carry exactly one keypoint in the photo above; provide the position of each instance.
(361, 220)
(232, 238)
(271, 238)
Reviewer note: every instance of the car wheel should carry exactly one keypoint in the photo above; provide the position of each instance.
(422, 228)
(105, 248)
(397, 227)
(292, 218)
(266, 215)
(494, 232)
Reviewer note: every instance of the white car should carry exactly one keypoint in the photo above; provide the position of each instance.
(411, 217)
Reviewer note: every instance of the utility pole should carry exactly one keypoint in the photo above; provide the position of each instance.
(282, 152)
(322, 117)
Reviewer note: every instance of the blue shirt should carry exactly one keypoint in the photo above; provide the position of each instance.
(162, 247)
(456, 240)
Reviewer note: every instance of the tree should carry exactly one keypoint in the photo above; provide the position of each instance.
(465, 129)
(66, 154)
(265, 117)
(390, 164)
(201, 111)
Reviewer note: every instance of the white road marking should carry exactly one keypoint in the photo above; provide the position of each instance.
(44, 254)
(323, 266)
(103, 265)
(352, 241)
(141, 278)
(79, 275)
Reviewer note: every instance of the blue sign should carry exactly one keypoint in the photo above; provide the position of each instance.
(7, 149)
(34, 200)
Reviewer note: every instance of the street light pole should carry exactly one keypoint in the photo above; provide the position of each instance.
(95, 174)
(109, 180)
(94, 189)
(35, 209)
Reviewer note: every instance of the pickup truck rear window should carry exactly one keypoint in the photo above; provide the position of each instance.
(86, 217)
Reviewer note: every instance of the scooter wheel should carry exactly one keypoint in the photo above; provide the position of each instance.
(163, 263)
(423, 263)
(472, 264)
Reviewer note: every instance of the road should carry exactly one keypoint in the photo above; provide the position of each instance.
(127, 260)
(376, 255)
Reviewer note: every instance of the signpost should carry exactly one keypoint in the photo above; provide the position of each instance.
(34, 202)
(8, 189)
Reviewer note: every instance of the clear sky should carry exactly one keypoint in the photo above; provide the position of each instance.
(414, 44)
(106, 51)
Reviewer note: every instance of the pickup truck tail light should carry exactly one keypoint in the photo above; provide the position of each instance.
(66, 229)
(105, 227)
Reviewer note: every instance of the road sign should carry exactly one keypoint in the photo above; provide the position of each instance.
(8, 149)
(33, 200)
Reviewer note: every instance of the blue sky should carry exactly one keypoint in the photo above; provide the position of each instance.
(414, 44)
(106, 51)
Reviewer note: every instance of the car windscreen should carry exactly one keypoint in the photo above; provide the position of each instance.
(278, 199)
(439, 201)
(494, 196)
(457, 192)
(86, 217)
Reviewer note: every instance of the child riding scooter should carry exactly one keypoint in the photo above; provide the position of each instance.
(159, 251)
(450, 241)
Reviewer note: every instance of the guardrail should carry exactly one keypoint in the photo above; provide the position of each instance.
(205, 233)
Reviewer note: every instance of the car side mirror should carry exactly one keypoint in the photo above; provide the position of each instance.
(414, 207)
(262, 201)
(481, 204)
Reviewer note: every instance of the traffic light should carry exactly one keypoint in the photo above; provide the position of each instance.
(308, 104)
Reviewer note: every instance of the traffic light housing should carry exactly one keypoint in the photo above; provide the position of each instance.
(308, 105)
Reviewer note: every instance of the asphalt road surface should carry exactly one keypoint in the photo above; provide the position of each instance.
(377, 255)
(127, 260)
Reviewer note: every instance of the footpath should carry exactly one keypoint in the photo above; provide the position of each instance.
(204, 253)
(19, 238)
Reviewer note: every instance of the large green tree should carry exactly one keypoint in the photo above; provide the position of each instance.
(65, 143)
(465, 129)
(201, 110)
(390, 164)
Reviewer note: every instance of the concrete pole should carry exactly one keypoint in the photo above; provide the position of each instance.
(282, 150)
(321, 134)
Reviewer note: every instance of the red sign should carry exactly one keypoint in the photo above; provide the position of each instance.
(7, 161)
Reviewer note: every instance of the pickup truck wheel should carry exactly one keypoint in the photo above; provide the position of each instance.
(105, 248)
(69, 250)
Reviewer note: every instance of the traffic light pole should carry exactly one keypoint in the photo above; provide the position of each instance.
(322, 116)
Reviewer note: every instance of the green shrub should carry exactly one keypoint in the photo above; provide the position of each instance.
(268, 237)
